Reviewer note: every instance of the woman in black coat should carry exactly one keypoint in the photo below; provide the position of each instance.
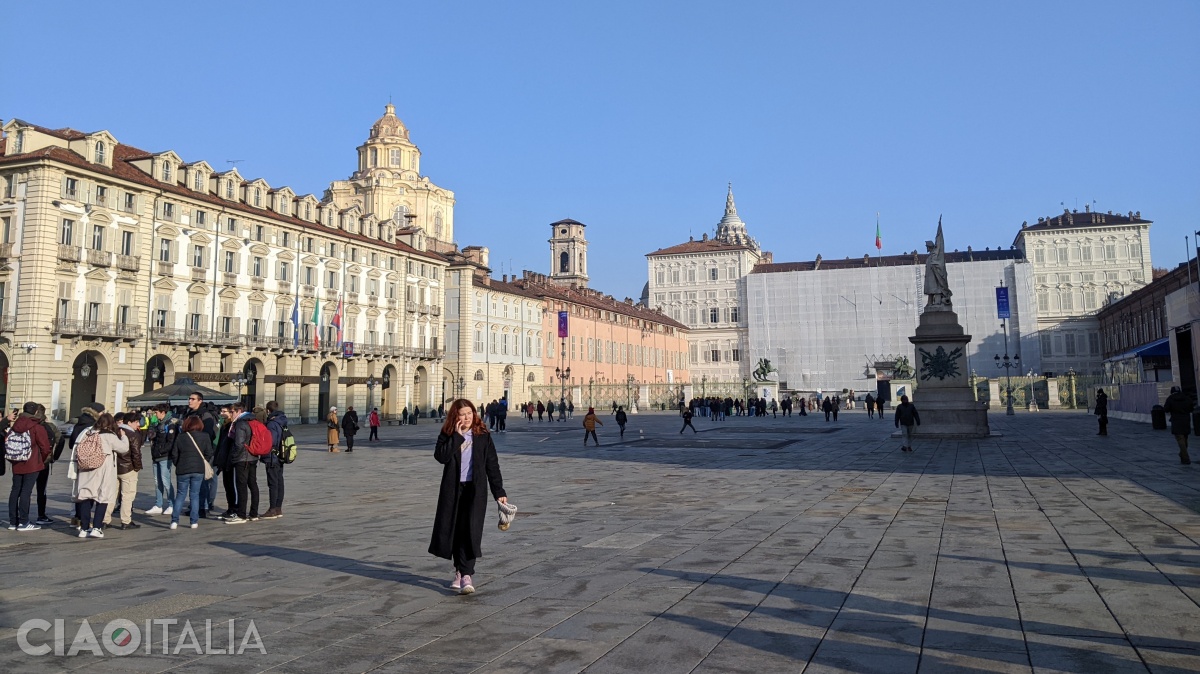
(462, 498)
(1102, 411)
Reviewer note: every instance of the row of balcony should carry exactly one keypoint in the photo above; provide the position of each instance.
(209, 338)
(413, 307)
(96, 258)
(89, 328)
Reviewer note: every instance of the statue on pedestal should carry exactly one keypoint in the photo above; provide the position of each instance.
(937, 286)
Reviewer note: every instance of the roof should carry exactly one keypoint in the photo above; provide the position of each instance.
(1088, 218)
(123, 170)
(701, 246)
(567, 221)
(532, 287)
(887, 261)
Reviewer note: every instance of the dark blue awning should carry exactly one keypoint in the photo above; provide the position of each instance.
(1157, 348)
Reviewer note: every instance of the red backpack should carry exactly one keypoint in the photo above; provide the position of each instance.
(260, 439)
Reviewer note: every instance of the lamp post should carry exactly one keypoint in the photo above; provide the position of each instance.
(239, 381)
(462, 385)
(371, 384)
(1071, 384)
(1008, 364)
(591, 396)
(563, 376)
(1030, 375)
(703, 383)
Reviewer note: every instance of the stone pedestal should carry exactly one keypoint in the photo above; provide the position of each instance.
(998, 400)
(947, 405)
(1052, 390)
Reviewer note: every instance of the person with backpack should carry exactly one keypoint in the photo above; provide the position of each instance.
(907, 419)
(191, 453)
(622, 419)
(160, 449)
(128, 466)
(372, 421)
(277, 424)
(331, 430)
(245, 464)
(350, 427)
(86, 419)
(27, 448)
(93, 473)
(57, 442)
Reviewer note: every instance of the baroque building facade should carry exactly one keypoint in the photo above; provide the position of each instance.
(126, 269)
(1081, 262)
(701, 284)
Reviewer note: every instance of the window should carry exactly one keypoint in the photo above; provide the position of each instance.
(737, 355)
(1110, 251)
(1047, 348)
(691, 275)
(101, 195)
(734, 316)
(285, 271)
(201, 218)
(712, 274)
(308, 244)
(308, 211)
(1067, 301)
(714, 355)
(230, 262)
(674, 276)
(259, 232)
(97, 237)
(659, 276)
(197, 182)
(101, 152)
(331, 280)
(257, 197)
(285, 239)
(714, 315)
(1094, 343)
(394, 157)
(71, 188)
(1039, 256)
(130, 203)
(19, 144)
(374, 157)
(1069, 343)
(198, 255)
(258, 267)
(1086, 252)
(127, 243)
(231, 225)
(1043, 300)
(164, 250)
(166, 172)
(67, 233)
(168, 211)
(333, 250)
(228, 189)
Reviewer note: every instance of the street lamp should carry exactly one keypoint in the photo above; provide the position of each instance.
(1008, 364)
(563, 376)
(591, 396)
(1071, 384)
(239, 381)
(703, 382)
(1030, 375)
(371, 384)
(462, 385)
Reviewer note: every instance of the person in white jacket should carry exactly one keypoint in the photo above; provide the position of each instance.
(96, 490)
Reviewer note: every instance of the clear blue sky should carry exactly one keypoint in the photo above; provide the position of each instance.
(632, 116)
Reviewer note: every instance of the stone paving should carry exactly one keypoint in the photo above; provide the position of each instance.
(755, 545)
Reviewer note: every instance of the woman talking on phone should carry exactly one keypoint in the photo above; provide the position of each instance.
(465, 450)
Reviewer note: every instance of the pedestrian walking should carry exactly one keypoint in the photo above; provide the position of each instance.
(277, 424)
(687, 420)
(828, 407)
(95, 490)
(879, 407)
(469, 467)
(1179, 405)
(907, 419)
(372, 421)
(570, 408)
(562, 409)
(331, 430)
(350, 427)
(541, 409)
(622, 419)
(27, 447)
(1102, 411)
(590, 420)
(189, 454)
(870, 404)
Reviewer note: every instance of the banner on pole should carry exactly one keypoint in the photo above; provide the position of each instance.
(562, 325)
(1002, 310)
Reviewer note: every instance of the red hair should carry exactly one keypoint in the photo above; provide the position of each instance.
(477, 425)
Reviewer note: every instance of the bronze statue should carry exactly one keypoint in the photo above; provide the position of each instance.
(937, 287)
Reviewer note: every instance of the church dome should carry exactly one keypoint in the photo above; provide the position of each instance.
(389, 126)
(731, 229)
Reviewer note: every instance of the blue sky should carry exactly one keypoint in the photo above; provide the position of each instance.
(632, 116)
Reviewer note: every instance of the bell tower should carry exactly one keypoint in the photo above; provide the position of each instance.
(568, 253)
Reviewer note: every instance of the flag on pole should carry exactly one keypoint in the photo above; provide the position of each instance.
(296, 323)
(337, 320)
(316, 320)
(878, 238)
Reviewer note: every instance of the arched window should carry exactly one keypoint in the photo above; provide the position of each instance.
(564, 262)
(166, 172)
(100, 152)
(478, 375)
(228, 189)
(257, 197)
(437, 224)
(374, 157)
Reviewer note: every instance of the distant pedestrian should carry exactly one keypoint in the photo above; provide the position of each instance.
(570, 408)
(827, 407)
(1179, 405)
(590, 420)
(687, 421)
(541, 409)
(870, 403)
(774, 409)
(906, 420)
(879, 407)
(1102, 411)
(26, 438)
(469, 467)
(350, 427)
(562, 409)
(622, 419)
(373, 422)
(331, 430)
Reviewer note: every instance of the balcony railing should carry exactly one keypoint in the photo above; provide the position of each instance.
(70, 253)
(164, 268)
(331, 294)
(435, 310)
(99, 258)
(424, 308)
(308, 291)
(67, 326)
(199, 337)
(285, 287)
(129, 262)
(5, 250)
(199, 273)
(257, 283)
(229, 279)
(352, 298)
(392, 302)
(410, 306)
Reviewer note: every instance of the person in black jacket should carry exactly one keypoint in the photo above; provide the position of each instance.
(245, 466)
(188, 453)
(161, 441)
(350, 427)
(465, 450)
(1102, 410)
(277, 421)
(623, 419)
(687, 420)
(1179, 405)
(906, 420)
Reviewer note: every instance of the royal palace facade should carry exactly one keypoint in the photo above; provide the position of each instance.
(123, 270)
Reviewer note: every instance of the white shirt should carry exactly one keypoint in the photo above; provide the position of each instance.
(465, 474)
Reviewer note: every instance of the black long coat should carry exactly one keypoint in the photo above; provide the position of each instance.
(1179, 406)
(485, 472)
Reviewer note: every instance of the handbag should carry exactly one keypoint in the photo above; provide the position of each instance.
(208, 469)
(508, 512)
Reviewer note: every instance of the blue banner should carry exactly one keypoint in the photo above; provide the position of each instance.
(1002, 310)
(562, 325)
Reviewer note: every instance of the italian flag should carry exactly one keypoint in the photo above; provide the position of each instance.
(316, 319)
(878, 238)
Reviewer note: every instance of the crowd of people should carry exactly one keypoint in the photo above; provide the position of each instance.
(104, 455)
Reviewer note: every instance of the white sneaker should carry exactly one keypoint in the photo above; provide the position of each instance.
(168, 511)
(235, 520)
(154, 511)
(196, 525)
(96, 533)
(174, 525)
(83, 533)
(29, 526)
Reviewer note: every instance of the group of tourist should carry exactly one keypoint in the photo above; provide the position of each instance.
(104, 455)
